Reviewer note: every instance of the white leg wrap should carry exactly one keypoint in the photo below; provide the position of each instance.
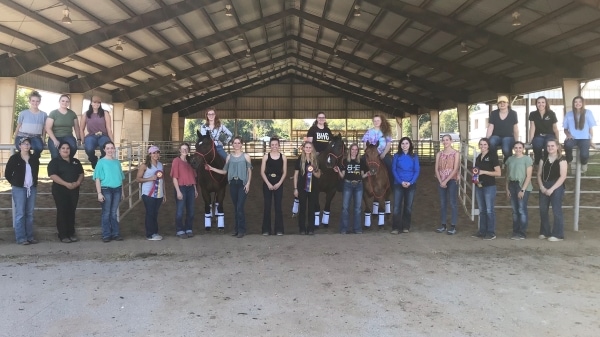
(221, 220)
(388, 208)
(295, 206)
(367, 219)
(325, 218)
(207, 219)
(375, 207)
(214, 209)
(317, 217)
(381, 219)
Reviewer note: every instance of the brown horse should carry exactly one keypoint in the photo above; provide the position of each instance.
(329, 181)
(210, 182)
(376, 186)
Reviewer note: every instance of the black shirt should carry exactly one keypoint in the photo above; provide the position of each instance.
(551, 171)
(321, 137)
(503, 127)
(302, 177)
(543, 125)
(487, 163)
(273, 166)
(354, 169)
(68, 171)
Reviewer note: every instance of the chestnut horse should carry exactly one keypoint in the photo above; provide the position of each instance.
(376, 186)
(329, 181)
(210, 182)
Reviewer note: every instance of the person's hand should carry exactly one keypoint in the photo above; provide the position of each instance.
(195, 194)
(443, 185)
(247, 188)
(179, 196)
(164, 199)
(207, 167)
(521, 194)
(336, 169)
(100, 197)
(56, 143)
(507, 194)
(295, 193)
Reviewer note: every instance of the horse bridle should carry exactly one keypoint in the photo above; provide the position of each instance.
(337, 158)
(203, 155)
(371, 182)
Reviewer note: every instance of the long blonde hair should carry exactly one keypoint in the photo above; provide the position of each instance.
(313, 158)
(349, 157)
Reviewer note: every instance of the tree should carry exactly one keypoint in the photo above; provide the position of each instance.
(449, 121)
(406, 128)
(21, 103)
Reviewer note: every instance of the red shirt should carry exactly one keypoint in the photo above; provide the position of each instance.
(183, 172)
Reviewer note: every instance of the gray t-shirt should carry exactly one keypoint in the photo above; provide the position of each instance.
(32, 124)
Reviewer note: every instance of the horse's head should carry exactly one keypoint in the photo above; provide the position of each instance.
(205, 151)
(372, 158)
(334, 154)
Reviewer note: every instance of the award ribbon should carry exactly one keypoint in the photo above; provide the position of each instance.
(309, 171)
(155, 190)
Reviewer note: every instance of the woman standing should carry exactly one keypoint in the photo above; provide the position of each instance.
(22, 173)
(519, 169)
(353, 174)
(381, 134)
(406, 169)
(60, 125)
(239, 173)
(487, 168)
(578, 125)
(273, 171)
(184, 182)
(66, 173)
(319, 133)
(109, 181)
(217, 131)
(447, 167)
(551, 176)
(542, 127)
(99, 129)
(150, 175)
(31, 124)
(306, 169)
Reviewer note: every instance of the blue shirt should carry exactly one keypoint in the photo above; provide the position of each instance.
(405, 168)
(109, 172)
(569, 124)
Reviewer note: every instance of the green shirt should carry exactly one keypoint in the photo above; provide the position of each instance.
(63, 124)
(237, 167)
(517, 170)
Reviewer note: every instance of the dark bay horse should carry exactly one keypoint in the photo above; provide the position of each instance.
(210, 183)
(377, 186)
(329, 181)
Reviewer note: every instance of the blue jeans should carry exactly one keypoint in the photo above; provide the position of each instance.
(450, 193)
(69, 139)
(189, 195)
(221, 151)
(584, 149)
(538, 143)
(486, 199)
(238, 198)
(507, 145)
(351, 191)
(403, 202)
(555, 199)
(152, 206)
(91, 142)
(519, 208)
(23, 212)
(37, 144)
(110, 206)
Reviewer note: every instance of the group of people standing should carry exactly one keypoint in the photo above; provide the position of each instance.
(65, 171)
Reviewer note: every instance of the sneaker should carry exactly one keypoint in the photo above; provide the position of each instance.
(24, 243)
(33, 241)
(189, 234)
(74, 239)
(155, 237)
(221, 231)
(489, 237)
(452, 230)
(234, 234)
(311, 233)
(381, 227)
(357, 232)
(405, 231)
(105, 240)
(240, 235)
(441, 229)
(542, 237)
(279, 234)
(515, 237)
(182, 236)
(584, 168)
(266, 234)
(395, 231)
(478, 235)
(554, 239)
(117, 238)
(207, 229)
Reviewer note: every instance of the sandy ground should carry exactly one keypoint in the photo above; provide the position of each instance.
(375, 284)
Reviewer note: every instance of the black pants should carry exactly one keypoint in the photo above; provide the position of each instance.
(66, 203)
(276, 196)
(307, 199)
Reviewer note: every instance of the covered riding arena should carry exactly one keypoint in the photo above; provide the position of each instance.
(156, 63)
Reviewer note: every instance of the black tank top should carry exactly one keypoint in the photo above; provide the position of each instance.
(273, 168)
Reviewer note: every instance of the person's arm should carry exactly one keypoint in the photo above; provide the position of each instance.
(561, 179)
(490, 130)
(566, 127)
(539, 175)
(280, 182)
(248, 172)
(555, 130)
(83, 124)
(528, 175)
(49, 125)
(78, 132)
(99, 190)
(532, 131)
(387, 149)
(228, 133)
(340, 172)
(395, 172)
(19, 128)
(174, 176)
(140, 174)
(416, 171)
(214, 169)
(516, 131)
(455, 168)
(296, 183)
(263, 167)
(108, 121)
(436, 167)
(506, 180)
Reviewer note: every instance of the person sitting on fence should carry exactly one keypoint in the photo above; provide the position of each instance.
(31, 124)
(503, 128)
(551, 176)
(217, 131)
(60, 125)
(542, 127)
(578, 125)
(99, 129)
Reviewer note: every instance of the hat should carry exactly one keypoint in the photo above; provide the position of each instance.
(24, 139)
(502, 99)
(153, 149)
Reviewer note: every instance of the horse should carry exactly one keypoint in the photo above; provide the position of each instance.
(376, 186)
(329, 181)
(210, 182)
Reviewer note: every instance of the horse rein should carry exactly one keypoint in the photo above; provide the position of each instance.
(371, 182)
(203, 155)
(337, 158)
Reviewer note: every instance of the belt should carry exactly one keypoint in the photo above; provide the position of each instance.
(186, 185)
(353, 182)
(515, 181)
(235, 178)
(273, 175)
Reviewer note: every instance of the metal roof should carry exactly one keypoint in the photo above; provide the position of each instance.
(402, 55)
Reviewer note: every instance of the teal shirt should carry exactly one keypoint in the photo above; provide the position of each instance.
(237, 167)
(109, 172)
(63, 124)
(517, 170)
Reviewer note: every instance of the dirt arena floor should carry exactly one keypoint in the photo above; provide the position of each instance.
(375, 284)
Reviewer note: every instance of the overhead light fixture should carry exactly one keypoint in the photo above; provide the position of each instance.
(240, 38)
(119, 45)
(247, 52)
(228, 10)
(516, 22)
(356, 10)
(335, 54)
(66, 18)
(173, 76)
(463, 48)
(153, 66)
(344, 38)
(408, 78)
